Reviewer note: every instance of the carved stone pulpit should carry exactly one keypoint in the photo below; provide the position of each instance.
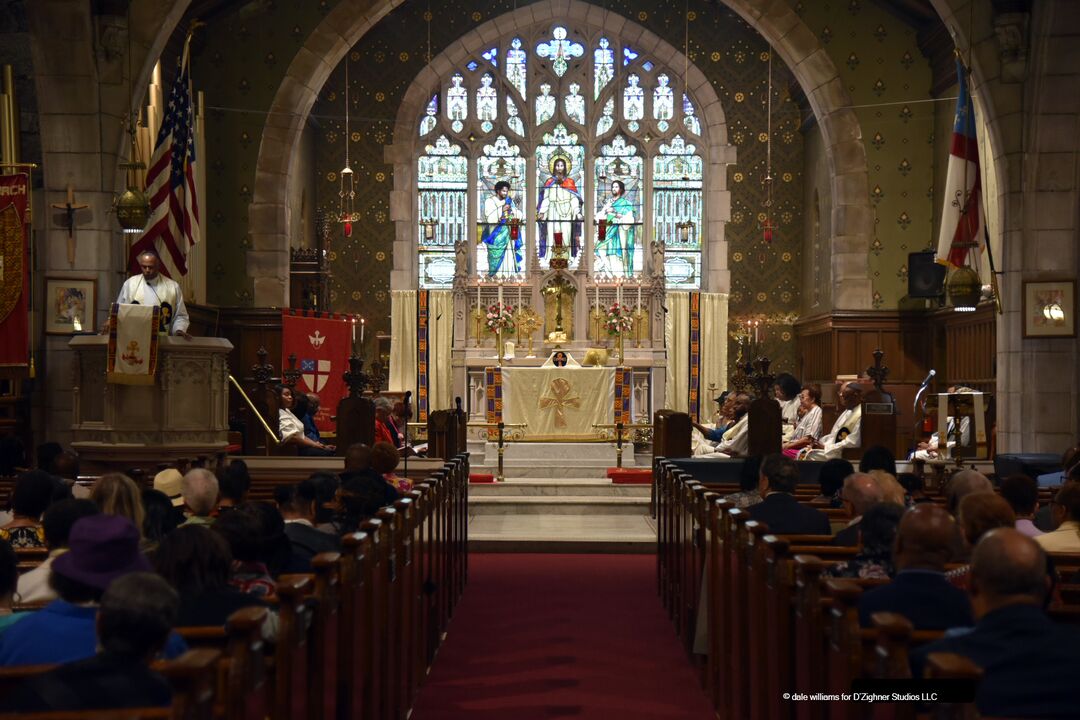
(184, 415)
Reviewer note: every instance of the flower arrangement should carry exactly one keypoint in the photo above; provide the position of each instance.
(499, 317)
(619, 320)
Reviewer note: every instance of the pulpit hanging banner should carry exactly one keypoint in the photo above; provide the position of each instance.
(321, 343)
(133, 344)
(15, 270)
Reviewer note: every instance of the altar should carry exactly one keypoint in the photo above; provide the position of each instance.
(560, 404)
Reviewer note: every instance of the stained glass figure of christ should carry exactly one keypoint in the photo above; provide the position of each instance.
(559, 211)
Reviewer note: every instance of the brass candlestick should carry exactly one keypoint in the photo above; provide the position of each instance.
(639, 325)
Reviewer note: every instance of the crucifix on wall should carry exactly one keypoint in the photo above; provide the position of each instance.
(69, 208)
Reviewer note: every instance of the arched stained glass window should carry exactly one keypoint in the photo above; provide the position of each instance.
(604, 160)
(443, 184)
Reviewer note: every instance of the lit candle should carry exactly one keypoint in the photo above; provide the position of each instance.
(558, 239)
(639, 295)
(757, 326)
(354, 332)
(362, 321)
(480, 280)
(519, 297)
(500, 292)
(597, 287)
(618, 291)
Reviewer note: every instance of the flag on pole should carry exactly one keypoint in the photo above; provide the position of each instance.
(170, 183)
(962, 216)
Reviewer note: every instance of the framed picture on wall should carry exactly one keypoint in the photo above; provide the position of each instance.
(1050, 309)
(69, 305)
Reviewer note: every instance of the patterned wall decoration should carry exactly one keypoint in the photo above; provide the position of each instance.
(765, 278)
(889, 81)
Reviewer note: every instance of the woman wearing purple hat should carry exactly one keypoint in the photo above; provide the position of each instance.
(102, 548)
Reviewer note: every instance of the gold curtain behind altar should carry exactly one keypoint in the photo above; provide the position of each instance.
(714, 355)
(403, 365)
(559, 404)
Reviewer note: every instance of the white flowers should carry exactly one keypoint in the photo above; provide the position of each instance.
(619, 320)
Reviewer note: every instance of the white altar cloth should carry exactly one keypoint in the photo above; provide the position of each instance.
(559, 404)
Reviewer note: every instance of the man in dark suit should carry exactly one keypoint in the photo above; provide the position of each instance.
(136, 616)
(920, 591)
(780, 511)
(861, 492)
(297, 506)
(1029, 662)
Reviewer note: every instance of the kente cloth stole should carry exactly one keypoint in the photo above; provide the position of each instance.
(133, 344)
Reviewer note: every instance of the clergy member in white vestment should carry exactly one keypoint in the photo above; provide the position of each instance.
(928, 451)
(846, 431)
(150, 287)
(735, 441)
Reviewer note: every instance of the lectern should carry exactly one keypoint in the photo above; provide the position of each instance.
(183, 415)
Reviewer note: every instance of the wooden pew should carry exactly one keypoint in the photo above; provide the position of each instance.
(291, 651)
(192, 677)
(354, 658)
(950, 665)
(323, 664)
(26, 559)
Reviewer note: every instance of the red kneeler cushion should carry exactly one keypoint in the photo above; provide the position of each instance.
(630, 476)
(481, 478)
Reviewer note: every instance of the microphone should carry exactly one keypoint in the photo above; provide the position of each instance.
(929, 377)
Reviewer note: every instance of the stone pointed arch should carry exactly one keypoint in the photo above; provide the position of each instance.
(716, 153)
(852, 220)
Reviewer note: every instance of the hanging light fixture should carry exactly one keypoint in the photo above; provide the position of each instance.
(132, 207)
(347, 179)
(767, 227)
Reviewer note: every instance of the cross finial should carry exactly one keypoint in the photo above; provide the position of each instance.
(355, 377)
(763, 379)
(262, 371)
(878, 372)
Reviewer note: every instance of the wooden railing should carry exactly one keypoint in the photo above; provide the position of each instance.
(355, 638)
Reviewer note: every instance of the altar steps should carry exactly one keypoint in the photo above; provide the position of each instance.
(574, 514)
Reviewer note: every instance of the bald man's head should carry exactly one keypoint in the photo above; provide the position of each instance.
(925, 538)
(965, 483)
(863, 492)
(1007, 568)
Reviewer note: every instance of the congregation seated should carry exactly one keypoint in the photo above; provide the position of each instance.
(779, 509)
(58, 520)
(32, 494)
(9, 576)
(363, 483)
(808, 426)
(846, 432)
(326, 486)
(920, 591)
(241, 528)
(197, 563)
(1022, 494)
(102, 549)
(786, 390)
(133, 625)
(199, 491)
(384, 461)
(291, 428)
(1029, 663)
(233, 485)
(1066, 515)
(297, 506)
(161, 517)
(876, 534)
(831, 481)
(861, 492)
(961, 485)
(117, 494)
(749, 485)
(978, 514)
(170, 483)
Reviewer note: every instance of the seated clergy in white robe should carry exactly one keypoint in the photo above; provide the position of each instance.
(809, 425)
(561, 358)
(150, 287)
(930, 451)
(735, 442)
(846, 431)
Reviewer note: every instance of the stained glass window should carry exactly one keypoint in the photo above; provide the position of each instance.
(443, 184)
(487, 102)
(603, 67)
(545, 105)
(559, 50)
(515, 66)
(677, 198)
(500, 195)
(617, 251)
(574, 104)
(430, 116)
(539, 109)
(560, 203)
(457, 102)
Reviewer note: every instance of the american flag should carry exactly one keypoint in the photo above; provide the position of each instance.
(170, 183)
(962, 215)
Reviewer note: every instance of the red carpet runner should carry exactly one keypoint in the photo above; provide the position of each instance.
(554, 636)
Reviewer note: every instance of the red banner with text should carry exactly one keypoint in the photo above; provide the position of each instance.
(15, 270)
(321, 343)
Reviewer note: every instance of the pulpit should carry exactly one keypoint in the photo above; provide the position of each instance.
(183, 415)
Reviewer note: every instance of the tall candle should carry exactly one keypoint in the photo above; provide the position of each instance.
(354, 332)
(500, 292)
(478, 293)
(519, 297)
(597, 287)
(362, 321)
(639, 295)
